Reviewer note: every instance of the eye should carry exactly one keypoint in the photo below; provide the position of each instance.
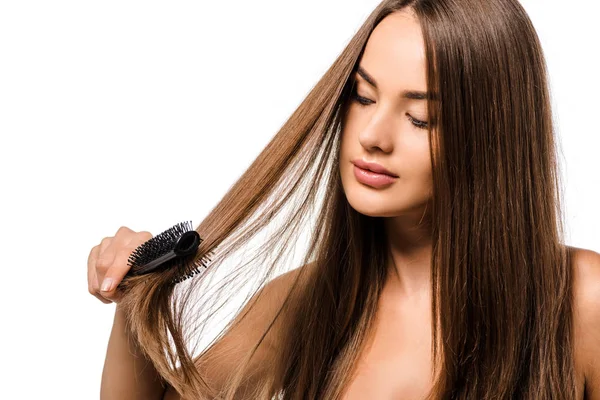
(363, 102)
(417, 123)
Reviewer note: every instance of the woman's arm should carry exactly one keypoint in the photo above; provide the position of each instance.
(127, 373)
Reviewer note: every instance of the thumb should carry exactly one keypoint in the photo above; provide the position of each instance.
(114, 276)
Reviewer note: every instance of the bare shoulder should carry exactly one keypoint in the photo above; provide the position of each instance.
(586, 264)
(219, 362)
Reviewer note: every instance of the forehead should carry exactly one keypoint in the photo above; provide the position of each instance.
(395, 53)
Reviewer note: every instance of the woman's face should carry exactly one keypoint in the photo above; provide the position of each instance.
(388, 128)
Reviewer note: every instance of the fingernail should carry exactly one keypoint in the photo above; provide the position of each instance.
(106, 284)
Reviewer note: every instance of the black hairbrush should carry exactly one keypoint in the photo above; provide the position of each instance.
(173, 248)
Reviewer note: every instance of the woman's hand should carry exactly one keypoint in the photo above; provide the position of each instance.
(107, 263)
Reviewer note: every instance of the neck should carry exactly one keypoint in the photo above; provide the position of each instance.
(409, 238)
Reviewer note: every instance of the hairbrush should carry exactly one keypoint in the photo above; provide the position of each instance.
(173, 248)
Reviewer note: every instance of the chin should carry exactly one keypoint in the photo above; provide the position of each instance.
(381, 203)
(375, 205)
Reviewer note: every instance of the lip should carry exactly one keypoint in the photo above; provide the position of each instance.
(373, 179)
(374, 167)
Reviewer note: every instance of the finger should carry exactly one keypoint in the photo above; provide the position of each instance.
(93, 287)
(120, 266)
(91, 265)
(116, 273)
(91, 275)
(102, 299)
(109, 248)
(124, 231)
(105, 258)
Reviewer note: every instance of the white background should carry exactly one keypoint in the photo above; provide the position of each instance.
(117, 113)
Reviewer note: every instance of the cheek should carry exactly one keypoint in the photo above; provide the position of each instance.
(427, 182)
(345, 167)
(411, 150)
(417, 163)
(418, 171)
(349, 147)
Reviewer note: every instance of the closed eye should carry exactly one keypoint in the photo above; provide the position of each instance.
(363, 102)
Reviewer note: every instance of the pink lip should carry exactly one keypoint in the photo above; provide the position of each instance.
(374, 167)
(373, 179)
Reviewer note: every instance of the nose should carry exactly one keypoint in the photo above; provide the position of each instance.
(378, 133)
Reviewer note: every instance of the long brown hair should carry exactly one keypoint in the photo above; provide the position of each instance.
(501, 298)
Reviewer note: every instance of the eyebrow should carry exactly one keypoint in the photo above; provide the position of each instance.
(407, 94)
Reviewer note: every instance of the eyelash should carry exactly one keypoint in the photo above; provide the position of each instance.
(362, 101)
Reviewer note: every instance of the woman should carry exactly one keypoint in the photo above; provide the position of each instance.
(440, 273)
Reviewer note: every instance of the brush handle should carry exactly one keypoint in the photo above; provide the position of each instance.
(187, 244)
